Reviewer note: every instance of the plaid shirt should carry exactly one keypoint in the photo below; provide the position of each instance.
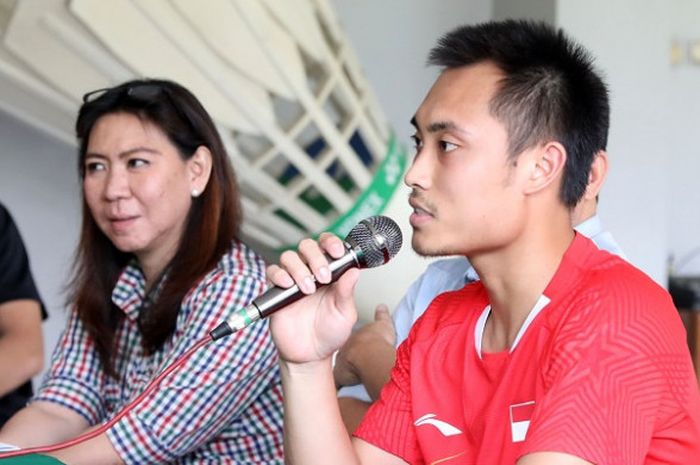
(224, 405)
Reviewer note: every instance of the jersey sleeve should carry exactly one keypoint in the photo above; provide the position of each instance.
(388, 424)
(617, 375)
(403, 317)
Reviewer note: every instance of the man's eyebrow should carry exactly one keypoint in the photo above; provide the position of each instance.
(439, 126)
(443, 126)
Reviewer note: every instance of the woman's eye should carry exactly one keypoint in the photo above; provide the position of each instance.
(94, 166)
(137, 163)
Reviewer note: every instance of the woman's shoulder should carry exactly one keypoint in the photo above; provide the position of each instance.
(239, 267)
(240, 259)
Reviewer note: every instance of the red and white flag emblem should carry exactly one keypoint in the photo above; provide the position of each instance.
(520, 415)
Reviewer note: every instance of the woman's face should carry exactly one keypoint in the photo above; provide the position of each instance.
(137, 188)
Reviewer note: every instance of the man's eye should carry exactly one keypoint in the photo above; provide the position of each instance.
(447, 146)
(417, 142)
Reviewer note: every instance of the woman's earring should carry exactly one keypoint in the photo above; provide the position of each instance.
(195, 193)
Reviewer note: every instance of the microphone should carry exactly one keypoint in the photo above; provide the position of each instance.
(372, 242)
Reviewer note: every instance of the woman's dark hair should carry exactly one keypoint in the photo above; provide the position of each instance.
(550, 91)
(213, 220)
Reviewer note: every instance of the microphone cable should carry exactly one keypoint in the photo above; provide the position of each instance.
(126, 409)
(372, 242)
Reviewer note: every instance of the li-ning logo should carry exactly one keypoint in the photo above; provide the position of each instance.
(445, 428)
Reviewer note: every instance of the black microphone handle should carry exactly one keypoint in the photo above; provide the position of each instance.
(276, 297)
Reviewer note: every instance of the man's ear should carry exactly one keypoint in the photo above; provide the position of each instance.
(199, 169)
(596, 178)
(547, 167)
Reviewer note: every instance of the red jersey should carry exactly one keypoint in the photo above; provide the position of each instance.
(600, 370)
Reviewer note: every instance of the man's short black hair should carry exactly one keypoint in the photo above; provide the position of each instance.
(550, 91)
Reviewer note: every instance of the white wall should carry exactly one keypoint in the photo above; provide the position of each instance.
(392, 39)
(653, 109)
(631, 46)
(39, 185)
(655, 116)
(650, 199)
(540, 10)
(38, 180)
(683, 148)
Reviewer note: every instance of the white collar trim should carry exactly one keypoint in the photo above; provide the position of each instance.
(541, 303)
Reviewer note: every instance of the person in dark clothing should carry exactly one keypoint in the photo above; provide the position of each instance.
(21, 312)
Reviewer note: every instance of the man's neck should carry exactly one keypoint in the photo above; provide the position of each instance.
(516, 277)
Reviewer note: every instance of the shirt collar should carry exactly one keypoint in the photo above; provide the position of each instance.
(129, 291)
(470, 275)
(591, 227)
(573, 263)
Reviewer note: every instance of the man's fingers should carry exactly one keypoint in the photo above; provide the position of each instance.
(345, 287)
(332, 244)
(316, 260)
(297, 268)
(385, 324)
(382, 313)
(279, 277)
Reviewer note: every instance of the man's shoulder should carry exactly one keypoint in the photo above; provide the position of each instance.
(453, 308)
(605, 271)
(614, 297)
(614, 276)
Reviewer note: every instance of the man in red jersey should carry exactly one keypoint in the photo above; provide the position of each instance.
(562, 353)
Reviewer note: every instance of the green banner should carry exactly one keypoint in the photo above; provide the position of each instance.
(374, 199)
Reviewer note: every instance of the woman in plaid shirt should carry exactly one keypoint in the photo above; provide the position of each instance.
(158, 266)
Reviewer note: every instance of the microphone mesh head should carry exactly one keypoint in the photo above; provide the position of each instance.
(378, 239)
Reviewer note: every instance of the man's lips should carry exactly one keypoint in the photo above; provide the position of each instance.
(420, 216)
(418, 208)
